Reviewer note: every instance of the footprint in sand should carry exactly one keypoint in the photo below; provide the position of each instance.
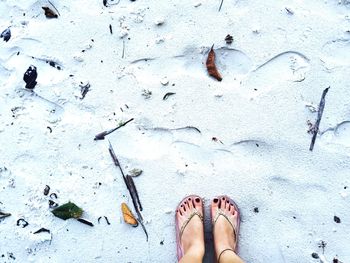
(336, 54)
(340, 135)
(233, 64)
(287, 66)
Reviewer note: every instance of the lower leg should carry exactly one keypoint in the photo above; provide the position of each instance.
(225, 230)
(192, 256)
(229, 256)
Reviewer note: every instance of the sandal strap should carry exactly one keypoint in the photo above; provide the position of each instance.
(227, 249)
(222, 213)
(194, 213)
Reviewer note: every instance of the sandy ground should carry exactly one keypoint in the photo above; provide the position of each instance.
(284, 54)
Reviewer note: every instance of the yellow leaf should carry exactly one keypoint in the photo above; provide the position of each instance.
(129, 218)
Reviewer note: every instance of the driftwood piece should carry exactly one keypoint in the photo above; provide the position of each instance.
(319, 117)
(101, 136)
(131, 188)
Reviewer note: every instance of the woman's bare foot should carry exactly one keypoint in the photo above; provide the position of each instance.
(225, 217)
(189, 217)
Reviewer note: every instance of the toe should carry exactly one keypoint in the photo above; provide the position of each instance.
(197, 202)
(215, 205)
(183, 208)
(190, 203)
(223, 203)
(227, 205)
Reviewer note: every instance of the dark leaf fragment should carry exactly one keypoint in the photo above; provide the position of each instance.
(68, 210)
(53, 195)
(85, 222)
(41, 230)
(84, 89)
(6, 34)
(229, 39)
(30, 77)
(211, 67)
(49, 13)
(52, 204)
(107, 221)
(3, 215)
(167, 95)
(21, 222)
(46, 190)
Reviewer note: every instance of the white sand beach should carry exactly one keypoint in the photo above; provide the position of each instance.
(245, 136)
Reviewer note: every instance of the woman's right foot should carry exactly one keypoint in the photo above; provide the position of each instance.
(189, 218)
(225, 216)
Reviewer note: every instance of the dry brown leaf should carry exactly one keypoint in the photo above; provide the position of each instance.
(129, 218)
(49, 13)
(211, 67)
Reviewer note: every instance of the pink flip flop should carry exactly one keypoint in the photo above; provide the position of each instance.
(220, 212)
(180, 229)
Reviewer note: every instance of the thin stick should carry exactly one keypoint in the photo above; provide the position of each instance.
(319, 116)
(55, 8)
(131, 188)
(101, 136)
(123, 54)
(132, 184)
(222, 1)
(110, 29)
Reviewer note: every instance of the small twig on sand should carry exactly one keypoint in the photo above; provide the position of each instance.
(319, 116)
(123, 54)
(110, 29)
(81, 220)
(3, 215)
(101, 136)
(222, 1)
(131, 188)
(55, 8)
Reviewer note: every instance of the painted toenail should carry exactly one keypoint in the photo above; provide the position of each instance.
(216, 200)
(189, 199)
(198, 200)
(227, 201)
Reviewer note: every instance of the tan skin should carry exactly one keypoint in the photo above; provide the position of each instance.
(192, 239)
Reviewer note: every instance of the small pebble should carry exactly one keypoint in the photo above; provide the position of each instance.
(159, 21)
(337, 220)
(315, 255)
(164, 81)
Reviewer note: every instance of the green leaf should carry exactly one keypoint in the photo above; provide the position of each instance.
(68, 210)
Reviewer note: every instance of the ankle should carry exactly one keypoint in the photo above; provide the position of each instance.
(226, 254)
(196, 250)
